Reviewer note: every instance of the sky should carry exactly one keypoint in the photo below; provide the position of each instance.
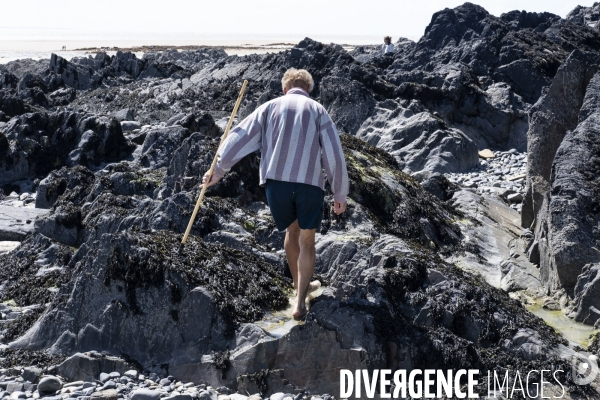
(247, 18)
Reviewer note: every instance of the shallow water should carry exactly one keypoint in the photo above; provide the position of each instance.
(278, 323)
(574, 331)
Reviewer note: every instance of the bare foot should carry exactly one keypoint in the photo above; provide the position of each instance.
(300, 315)
(313, 286)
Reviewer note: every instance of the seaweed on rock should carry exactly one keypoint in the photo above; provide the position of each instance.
(33, 270)
(397, 201)
(243, 285)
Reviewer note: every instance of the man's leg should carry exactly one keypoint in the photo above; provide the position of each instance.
(306, 268)
(292, 249)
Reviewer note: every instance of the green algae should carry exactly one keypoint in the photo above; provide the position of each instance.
(570, 329)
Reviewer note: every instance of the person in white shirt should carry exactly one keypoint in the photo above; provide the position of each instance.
(387, 46)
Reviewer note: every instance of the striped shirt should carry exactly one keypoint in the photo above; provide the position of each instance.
(297, 139)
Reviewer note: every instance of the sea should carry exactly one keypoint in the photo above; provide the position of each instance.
(40, 43)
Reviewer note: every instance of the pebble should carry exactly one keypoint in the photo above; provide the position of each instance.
(105, 395)
(31, 374)
(179, 397)
(515, 198)
(132, 373)
(14, 387)
(109, 385)
(49, 384)
(494, 173)
(277, 396)
(165, 382)
(145, 394)
(113, 386)
(207, 395)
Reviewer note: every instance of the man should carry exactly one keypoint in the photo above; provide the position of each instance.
(387, 46)
(297, 139)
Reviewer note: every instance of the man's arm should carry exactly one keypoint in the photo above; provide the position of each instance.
(333, 161)
(242, 140)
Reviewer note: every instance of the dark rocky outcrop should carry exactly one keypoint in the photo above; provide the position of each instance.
(40, 142)
(115, 147)
(550, 119)
(587, 299)
(586, 16)
(567, 227)
(419, 140)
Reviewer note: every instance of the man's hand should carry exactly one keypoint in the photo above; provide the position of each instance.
(339, 207)
(213, 179)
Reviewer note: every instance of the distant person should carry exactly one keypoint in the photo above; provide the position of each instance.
(387, 46)
(297, 139)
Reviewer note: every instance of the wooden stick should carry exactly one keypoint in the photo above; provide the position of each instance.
(214, 162)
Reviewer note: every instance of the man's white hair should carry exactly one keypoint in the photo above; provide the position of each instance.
(297, 78)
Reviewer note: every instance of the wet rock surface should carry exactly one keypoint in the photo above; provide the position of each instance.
(110, 151)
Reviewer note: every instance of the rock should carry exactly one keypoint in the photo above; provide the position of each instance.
(527, 344)
(18, 222)
(110, 384)
(105, 395)
(586, 16)
(87, 367)
(62, 225)
(395, 296)
(125, 114)
(439, 186)
(72, 75)
(180, 397)
(569, 215)
(518, 277)
(145, 394)
(18, 395)
(31, 374)
(352, 108)
(14, 387)
(550, 119)
(128, 126)
(76, 181)
(159, 145)
(84, 140)
(486, 154)
(132, 373)
(586, 295)
(517, 177)
(207, 395)
(551, 304)
(515, 198)
(104, 377)
(49, 385)
(418, 141)
(165, 382)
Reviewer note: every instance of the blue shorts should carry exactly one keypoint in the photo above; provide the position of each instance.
(290, 201)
